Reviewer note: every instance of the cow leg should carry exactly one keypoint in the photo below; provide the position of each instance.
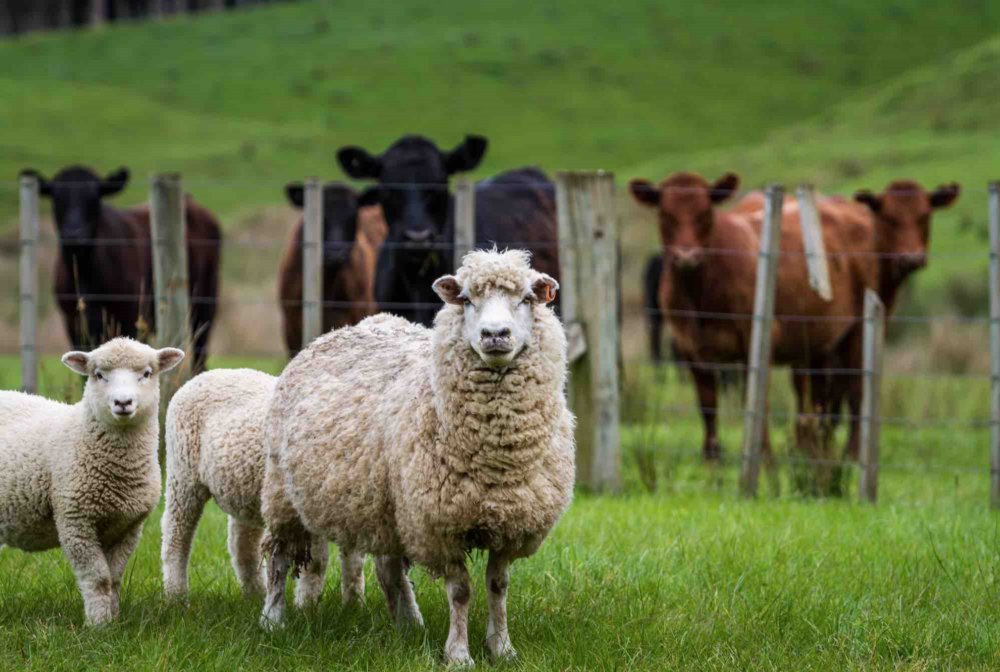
(656, 337)
(853, 387)
(708, 401)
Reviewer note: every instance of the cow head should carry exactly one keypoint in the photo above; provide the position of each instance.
(413, 182)
(685, 203)
(76, 194)
(903, 221)
(340, 218)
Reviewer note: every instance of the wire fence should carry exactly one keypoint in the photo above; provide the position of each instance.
(237, 249)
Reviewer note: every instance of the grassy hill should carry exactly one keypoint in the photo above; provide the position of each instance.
(242, 102)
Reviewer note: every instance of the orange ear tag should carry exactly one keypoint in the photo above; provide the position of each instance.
(549, 294)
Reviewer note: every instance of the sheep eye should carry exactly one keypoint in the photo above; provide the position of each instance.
(466, 302)
(99, 375)
(525, 301)
(147, 374)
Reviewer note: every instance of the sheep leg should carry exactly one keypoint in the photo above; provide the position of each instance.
(244, 553)
(497, 635)
(279, 563)
(352, 576)
(117, 557)
(393, 576)
(312, 577)
(181, 515)
(459, 589)
(93, 576)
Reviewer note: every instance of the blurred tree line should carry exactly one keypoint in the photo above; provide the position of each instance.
(21, 16)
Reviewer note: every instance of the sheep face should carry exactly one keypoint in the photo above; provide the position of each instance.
(498, 309)
(123, 379)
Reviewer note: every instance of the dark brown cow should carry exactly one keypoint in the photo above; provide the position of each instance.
(104, 273)
(353, 231)
(893, 230)
(707, 289)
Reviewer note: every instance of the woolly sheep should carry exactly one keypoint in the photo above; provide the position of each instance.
(421, 445)
(215, 449)
(84, 477)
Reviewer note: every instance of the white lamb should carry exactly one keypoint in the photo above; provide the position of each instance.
(421, 445)
(85, 476)
(215, 449)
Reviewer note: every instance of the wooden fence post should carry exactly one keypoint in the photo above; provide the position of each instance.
(29, 284)
(98, 12)
(465, 218)
(812, 239)
(170, 274)
(994, 225)
(874, 340)
(312, 262)
(755, 412)
(588, 238)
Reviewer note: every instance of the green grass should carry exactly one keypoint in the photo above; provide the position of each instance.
(686, 577)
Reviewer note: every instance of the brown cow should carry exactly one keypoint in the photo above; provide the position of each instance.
(707, 288)
(353, 231)
(104, 273)
(893, 230)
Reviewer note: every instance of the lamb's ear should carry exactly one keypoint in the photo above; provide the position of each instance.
(77, 361)
(544, 288)
(168, 358)
(449, 289)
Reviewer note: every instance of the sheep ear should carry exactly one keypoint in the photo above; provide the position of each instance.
(544, 288)
(77, 361)
(168, 358)
(449, 289)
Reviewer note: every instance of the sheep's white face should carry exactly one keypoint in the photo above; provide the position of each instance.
(498, 323)
(123, 379)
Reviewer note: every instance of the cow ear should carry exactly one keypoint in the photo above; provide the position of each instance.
(725, 187)
(77, 361)
(449, 289)
(168, 358)
(359, 164)
(368, 197)
(295, 192)
(44, 188)
(467, 155)
(544, 288)
(873, 202)
(645, 193)
(945, 195)
(114, 182)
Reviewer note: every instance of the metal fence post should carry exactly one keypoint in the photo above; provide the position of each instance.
(465, 218)
(29, 284)
(874, 340)
(755, 412)
(588, 238)
(994, 225)
(170, 272)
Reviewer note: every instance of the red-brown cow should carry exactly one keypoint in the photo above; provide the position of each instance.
(707, 289)
(104, 273)
(353, 232)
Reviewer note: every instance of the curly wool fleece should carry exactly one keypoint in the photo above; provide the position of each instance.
(393, 439)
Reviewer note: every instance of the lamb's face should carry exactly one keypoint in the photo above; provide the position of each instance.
(123, 379)
(498, 318)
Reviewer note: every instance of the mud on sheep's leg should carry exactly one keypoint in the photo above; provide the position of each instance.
(310, 581)
(279, 563)
(459, 590)
(393, 576)
(497, 635)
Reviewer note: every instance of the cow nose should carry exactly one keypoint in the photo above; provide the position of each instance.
(686, 259)
(494, 332)
(914, 261)
(418, 236)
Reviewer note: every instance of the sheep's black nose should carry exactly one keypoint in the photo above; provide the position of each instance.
(502, 332)
(123, 403)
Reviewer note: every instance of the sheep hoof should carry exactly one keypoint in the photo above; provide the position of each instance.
(267, 624)
(459, 657)
(505, 652)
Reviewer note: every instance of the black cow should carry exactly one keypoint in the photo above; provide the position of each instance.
(514, 209)
(104, 273)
